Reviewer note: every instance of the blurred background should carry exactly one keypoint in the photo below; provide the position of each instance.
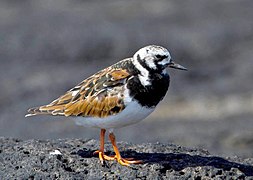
(47, 47)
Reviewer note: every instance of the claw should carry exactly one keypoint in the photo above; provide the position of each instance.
(126, 162)
(103, 157)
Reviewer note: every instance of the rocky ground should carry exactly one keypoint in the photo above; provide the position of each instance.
(36, 159)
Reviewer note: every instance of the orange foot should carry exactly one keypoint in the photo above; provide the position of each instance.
(120, 160)
(103, 157)
(127, 161)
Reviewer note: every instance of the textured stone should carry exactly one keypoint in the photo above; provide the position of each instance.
(32, 159)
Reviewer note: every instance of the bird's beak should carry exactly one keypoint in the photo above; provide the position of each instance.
(176, 66)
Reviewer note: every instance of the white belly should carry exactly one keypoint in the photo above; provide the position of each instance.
(132, 114)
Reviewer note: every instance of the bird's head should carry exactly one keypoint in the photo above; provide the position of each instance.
(155, 58)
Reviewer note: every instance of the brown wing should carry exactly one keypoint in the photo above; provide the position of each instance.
(100, 95)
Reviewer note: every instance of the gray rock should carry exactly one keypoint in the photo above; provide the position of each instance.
(32, 159)
(47, 47)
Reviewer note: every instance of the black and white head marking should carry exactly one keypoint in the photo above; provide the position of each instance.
(151, 59)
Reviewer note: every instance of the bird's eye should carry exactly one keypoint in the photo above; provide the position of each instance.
(158, 56)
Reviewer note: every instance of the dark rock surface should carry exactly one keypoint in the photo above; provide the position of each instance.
(47, 47)
(31, 159)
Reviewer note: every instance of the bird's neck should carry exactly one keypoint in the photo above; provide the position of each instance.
(149, 90)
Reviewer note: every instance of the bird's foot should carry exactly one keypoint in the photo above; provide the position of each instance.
(120, 160)
(127, 161)
(103, 157)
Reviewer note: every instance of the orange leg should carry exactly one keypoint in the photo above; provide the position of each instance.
(120, 160)
(100, 152)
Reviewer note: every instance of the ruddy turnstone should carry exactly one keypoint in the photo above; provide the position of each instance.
(117, 96)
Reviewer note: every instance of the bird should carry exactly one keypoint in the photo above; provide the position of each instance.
(117, 96)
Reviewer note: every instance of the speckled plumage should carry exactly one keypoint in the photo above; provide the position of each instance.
(100, 95)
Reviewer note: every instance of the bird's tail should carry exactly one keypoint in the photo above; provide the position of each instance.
(35, 111)
(45, 110)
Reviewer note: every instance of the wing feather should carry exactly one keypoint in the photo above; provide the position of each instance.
(99, 96)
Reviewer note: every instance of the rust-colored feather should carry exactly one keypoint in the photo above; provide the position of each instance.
(99, 96)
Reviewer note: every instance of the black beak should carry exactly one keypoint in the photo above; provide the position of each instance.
(176, 66)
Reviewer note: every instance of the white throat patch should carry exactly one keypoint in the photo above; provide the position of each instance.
(150, 62)
(144, 74)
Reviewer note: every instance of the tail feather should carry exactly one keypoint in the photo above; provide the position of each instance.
(35, 111)
(44, 110)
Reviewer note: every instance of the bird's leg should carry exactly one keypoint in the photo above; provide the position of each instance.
(100, 152)
(120, 160)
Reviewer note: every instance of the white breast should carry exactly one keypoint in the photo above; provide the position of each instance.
(132, 114)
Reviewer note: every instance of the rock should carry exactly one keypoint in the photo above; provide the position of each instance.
(74, 159)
